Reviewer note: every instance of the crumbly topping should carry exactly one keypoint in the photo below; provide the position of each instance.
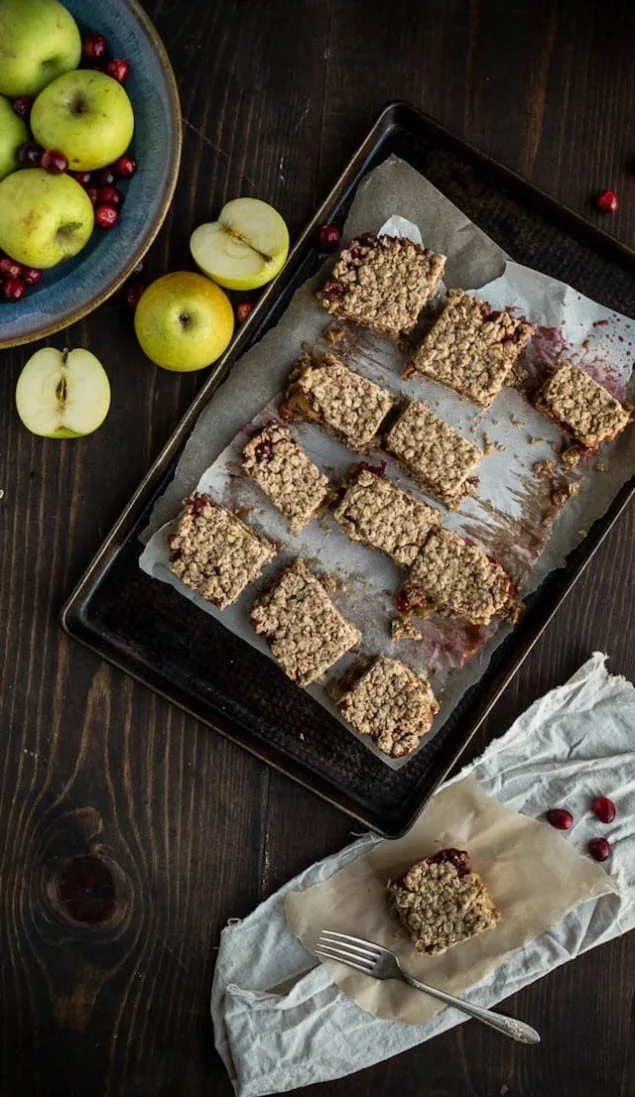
(382, 283)
(439, 904)
(433, 453)
(378, 513)
(581, 406)
(543, 468)
(391, 704)
(455, 578)
(471, 348)
(214, 553)
(348, 405)
(304, 629)
(287, 476)
(403, 628)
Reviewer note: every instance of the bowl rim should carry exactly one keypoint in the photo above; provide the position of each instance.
(79, 312)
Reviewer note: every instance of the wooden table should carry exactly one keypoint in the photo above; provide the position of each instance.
(275, 97)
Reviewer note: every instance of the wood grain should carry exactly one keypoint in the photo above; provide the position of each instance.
(191, 830)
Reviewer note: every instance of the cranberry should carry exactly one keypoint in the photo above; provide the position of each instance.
(330, 237)
(560, 818)
(126, 167)
(13, 289)
(54, 162)
(377, 470)
(602, 806)
(132, 293)
(30, 154)
(106, 217)
(118, 69)
(607, 201)
(10, 269)
(599, 849)
(106, 177)
(94, 46)
(243, 310)
(93, 194)
(31, 276)
(110, 196)
(84, 178)
(22, 105)
(403, 603)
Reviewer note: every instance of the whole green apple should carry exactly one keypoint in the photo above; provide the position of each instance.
(13, 133)
(43, 218)
(87, 116)
(183, 321)
(39, 40)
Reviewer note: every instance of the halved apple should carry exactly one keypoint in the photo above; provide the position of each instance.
(245, 248)
(62, 394)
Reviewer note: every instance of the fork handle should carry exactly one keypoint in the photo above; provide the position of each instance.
(509, 1026)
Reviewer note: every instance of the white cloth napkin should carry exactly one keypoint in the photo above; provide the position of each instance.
(279, 1020)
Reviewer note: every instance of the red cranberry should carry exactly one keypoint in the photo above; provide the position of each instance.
(602, 806)
(599, 849)
(106, 177)
(22, 105)
(560, 818)
(10, 269)
(30, 154)
(607, 201)
(118, 69)
(133, 293)
(106, 217)
(330, 237)
(93, 194)
(31, 276)
(110, 196)
(402, 602)
(243, 310)
(84, 178)
(54, 162)
(126, 167)
(94, 46)
(13, 289)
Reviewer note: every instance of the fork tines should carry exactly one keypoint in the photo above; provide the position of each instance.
(354, 951)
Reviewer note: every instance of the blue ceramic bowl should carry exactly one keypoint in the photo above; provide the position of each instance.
(76, 287)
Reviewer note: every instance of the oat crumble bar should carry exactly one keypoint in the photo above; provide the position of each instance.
(346, 404)
(471, 348)
(582, 407)
(376, 512)
(281, 468)
(440, 901)
(430, 451)
(304, 629)
(392, 705)
(382, 283)
(455, 578)
(214, 552)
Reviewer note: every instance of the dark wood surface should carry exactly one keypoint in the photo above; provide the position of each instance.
(194, 831)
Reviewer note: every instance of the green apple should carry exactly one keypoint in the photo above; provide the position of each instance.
(245, 248)
(13, 133)
(62, 394)
(87, 116)
(43, 218)
(39, 40)
(183, 321)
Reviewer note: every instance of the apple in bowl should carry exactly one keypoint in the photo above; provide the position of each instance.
(39, 40)
(13, 133)
(43, 218)
(87, 116)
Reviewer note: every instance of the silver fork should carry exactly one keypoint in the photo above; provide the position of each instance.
(381, 963)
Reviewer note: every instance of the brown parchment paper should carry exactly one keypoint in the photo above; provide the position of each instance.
(534, 875)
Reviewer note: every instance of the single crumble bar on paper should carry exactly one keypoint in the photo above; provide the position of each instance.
(582, 407)
(436, 456)
(382, 283)
(304, 629)
(392, 705)
(349, 406)
(471, 348)
(281, 468)
(455, 578)
(376, 512)
(440, 901)
(214, 552)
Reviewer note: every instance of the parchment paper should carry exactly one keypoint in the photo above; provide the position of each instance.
(533, 874)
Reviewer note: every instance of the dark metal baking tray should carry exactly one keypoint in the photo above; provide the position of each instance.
(162, 639)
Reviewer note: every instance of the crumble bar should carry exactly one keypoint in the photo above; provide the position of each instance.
(214, 552)
(346, 404)
(392, 705)
(436, 457)
(440, 901)
(376, 512)
(471, 348)
(455, 578)
(581, 407)
(281, 468)
(382, 283)
(304, 629)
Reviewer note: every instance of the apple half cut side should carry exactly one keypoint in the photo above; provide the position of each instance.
(62, 394)
(245, 248)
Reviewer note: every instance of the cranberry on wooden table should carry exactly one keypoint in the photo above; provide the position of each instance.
(607, 201)
(133, 293)
(330, 237)
(243, 310)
